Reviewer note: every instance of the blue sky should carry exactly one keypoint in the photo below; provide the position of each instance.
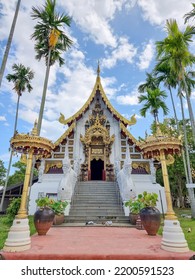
(121, 34)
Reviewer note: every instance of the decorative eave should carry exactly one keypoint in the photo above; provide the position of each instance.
(153, 144)
(98, 86)
(129, 135)
(65, 134)
(40, 146)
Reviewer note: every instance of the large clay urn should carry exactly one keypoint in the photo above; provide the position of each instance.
(43, 220)
(151, 219)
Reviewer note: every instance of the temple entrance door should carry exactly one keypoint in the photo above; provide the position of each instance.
(97, 167)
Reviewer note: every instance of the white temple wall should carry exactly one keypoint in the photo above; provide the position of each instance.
(49, 185)
(80, 129)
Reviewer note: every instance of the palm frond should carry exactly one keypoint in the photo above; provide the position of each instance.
(48, 19)
(191, 14)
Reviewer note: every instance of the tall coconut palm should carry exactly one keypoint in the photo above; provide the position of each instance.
(174, 50)
(51, 41)
(151, 83)
(153, 102)
(9, 41)
(21, 78)
(164, 74)
(162, 71)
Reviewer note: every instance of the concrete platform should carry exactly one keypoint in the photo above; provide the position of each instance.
(96, 243)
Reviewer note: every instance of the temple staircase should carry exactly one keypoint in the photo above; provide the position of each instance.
(96, 201)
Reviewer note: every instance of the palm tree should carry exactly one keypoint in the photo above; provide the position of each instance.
(174, 51)
(51, 41)
(9, 41)
(163, 74)
(153, 101)
(151, 82)
(21, 78)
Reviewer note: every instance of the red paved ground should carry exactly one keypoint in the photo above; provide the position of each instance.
(96, 243)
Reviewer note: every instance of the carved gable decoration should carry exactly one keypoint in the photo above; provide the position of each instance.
(97, 133)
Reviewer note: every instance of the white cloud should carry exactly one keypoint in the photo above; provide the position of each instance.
(125, 51)
(2, 118)
(94, 17)
(157, 11)
(146, 56)
(128, 99)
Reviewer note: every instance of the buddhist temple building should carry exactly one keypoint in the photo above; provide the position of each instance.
(97, 144)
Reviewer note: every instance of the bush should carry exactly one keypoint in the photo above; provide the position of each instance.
(13, 208)
(58, 207)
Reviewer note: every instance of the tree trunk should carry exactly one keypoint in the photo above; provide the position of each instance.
(174, 110)
(178, 130)
(4, 61)
(44, 94)
(189, 178)
(191, 115)
(16, 117)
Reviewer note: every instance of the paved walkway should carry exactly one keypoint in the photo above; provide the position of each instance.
(96, 243)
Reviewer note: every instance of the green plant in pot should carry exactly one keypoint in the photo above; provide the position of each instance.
(149, 214)
(44, 216)
(59, 207)
(135, 205)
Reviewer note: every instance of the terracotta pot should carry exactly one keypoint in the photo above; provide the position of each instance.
(58, 219)
(133, 218)
(150, 218)
(43, 220)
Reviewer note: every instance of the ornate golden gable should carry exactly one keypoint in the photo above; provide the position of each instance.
(97, 134)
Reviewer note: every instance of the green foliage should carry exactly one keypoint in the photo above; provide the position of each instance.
(143, 200)
(21, 78)
(135, 205)
(153, 101)
(32, 225)
(13, 208)
(48, 19)
(44, 202)
(58, 207)
(19, 174)
(148, 199)
(2, 173)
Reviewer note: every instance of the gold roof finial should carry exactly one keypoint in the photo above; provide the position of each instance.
(34, 130)
(98, 69)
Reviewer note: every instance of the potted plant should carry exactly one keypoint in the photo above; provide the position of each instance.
(58, 207)
(149, 214)
(44, 216)
(135, 205)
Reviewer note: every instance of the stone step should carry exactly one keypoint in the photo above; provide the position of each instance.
(96, 219)
(96, 191)
(96, 194)
(100, 207)
(95, 213)
(96, 201)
